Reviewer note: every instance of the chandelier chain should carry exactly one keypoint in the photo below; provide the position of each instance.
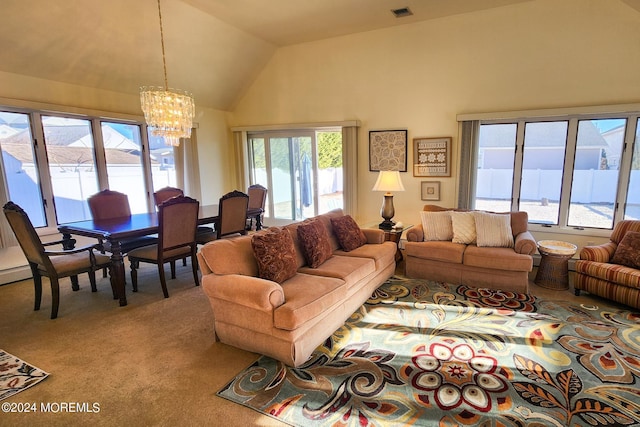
(164, 61)
(168, 113)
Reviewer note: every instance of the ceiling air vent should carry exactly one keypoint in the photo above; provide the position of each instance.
(402, 12)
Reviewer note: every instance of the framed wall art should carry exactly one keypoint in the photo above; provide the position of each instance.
(432, 156)
(388, 150)
(430, 190)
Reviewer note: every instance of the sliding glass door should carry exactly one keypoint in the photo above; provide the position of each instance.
(301, 169)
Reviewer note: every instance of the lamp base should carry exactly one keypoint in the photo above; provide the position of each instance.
(387, 224)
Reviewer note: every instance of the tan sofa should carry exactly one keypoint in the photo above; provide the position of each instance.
(483, 267)
(288, 321)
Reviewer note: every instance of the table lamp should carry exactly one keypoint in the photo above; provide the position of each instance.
(388, 181)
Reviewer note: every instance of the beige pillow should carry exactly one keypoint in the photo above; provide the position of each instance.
(436, 225)
(464, 227)
(493, 230)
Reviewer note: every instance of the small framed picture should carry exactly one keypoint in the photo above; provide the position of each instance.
(430, 190)
(388, 150)
(432, 156)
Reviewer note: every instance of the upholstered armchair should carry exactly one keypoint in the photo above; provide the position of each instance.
(612, 270)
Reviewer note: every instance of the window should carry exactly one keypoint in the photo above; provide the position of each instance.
(51, 164)
(72, 166)
(581, 171)
(302, 170)
(19, 165)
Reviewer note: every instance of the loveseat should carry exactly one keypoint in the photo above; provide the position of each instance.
(283, 291)
(474, 248)
(612, 270)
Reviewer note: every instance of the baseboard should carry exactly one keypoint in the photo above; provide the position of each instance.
(13, 265)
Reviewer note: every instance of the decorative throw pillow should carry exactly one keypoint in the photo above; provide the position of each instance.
(493, 230)
(314, 242)
(628, 251)
(275, 254)
(436, 225)
(464, 227)
(349, 234)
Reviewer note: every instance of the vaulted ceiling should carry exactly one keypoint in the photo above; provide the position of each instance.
(214, 48)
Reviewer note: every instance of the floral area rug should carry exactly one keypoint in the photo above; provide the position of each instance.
(17, 375)
(427, 353)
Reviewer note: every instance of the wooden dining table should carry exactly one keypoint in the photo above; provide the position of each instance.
(114, 230)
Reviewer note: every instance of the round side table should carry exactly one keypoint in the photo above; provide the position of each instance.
(553, 271)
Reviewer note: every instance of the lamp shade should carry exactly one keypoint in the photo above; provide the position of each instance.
(388, 181)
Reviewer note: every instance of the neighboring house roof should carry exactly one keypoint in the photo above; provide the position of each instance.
(502, 136)
(111, 139)
(58, 155)
(74, 136)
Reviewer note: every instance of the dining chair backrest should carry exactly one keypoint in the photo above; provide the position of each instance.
(232, 213)
(166, 193)
(26, 235)
(178, 220)
(257, 196)
(109, 204)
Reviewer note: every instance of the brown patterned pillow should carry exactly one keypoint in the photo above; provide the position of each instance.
(314, 242)
(348, 233)
(628, 250)
(275, 254)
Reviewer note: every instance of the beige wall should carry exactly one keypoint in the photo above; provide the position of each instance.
(539, 54)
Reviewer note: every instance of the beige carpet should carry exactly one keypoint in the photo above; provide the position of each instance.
(150, 363)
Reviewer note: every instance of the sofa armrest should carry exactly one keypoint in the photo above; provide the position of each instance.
(525, 243)
(248, 291)
(373, 235)
(415, 233)
(598, 253)
(202, 264)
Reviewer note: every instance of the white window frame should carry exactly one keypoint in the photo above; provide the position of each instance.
(469, 159)
(96, 119)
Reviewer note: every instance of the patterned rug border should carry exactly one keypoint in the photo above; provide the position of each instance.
(16, 375)
(229, 399)
(445, 295)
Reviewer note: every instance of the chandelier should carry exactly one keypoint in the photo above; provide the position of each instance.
(169, 112)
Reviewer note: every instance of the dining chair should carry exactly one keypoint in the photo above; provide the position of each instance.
(203, 234)
(177, 222)
(108, 204)
(52, 264)
(166, 193)
(257, 199)
(232, 214)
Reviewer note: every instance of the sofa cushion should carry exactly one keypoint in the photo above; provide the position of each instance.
(348, 233)
(628, 251)
(275, 254)
(307, 297)
(436, 226)
(383, 254)
(314, 242)
(350, 269)
(464, 227)
(437, 251)
(493, 230)
(614, 273)
(497, 258)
